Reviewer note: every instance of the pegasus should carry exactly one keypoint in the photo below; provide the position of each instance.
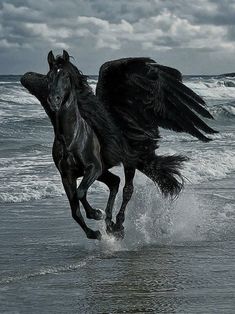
(119, 124)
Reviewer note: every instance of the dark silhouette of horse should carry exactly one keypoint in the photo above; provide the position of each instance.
(93, 133)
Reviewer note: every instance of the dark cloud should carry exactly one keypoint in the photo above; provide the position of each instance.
(190, 35)
(223, 17)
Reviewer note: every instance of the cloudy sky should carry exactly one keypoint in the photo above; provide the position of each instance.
(197, 37)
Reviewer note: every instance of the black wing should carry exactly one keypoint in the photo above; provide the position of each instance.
(145, 94)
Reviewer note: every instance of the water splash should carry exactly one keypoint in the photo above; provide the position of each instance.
(150, 219)
(164, 221)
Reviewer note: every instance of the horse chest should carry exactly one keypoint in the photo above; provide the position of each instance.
(64, 158)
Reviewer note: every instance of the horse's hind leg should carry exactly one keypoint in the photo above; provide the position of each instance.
(112, 181)
(118, 229)
(70, 186)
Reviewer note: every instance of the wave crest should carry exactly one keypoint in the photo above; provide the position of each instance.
(223, 111)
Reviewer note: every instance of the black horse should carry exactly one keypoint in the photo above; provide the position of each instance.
(119, 125)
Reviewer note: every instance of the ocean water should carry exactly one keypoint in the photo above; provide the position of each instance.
(177, 256)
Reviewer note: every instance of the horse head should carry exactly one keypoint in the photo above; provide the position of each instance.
(59, 80)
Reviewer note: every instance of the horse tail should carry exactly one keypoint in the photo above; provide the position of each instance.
(165, 172)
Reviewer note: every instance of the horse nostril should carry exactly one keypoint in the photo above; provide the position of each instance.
(57, 99)
(53, 99)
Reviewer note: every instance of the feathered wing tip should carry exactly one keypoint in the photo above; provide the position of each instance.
(165, 172)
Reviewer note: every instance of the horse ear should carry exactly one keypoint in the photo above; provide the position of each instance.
(50, 59)
(65, 56)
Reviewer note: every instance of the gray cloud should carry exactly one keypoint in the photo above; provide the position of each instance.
(189, 35)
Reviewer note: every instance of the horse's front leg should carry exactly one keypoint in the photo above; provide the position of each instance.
(70, 186)
(91, 173)
(91, 159)
(91, 213)
(112, 181)
(118, 229)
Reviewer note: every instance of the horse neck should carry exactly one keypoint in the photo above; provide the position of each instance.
(68, 121)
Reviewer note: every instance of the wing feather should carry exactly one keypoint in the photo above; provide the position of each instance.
(151, 95)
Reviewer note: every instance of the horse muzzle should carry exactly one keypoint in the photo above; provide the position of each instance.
(54, 102)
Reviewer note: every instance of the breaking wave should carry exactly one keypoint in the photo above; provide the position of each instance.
(223, 111)
(213, 88)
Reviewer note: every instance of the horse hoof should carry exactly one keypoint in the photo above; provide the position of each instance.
(95, 214)
(95, 235)
(118, 232)
(115, 231)
(109, 227)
